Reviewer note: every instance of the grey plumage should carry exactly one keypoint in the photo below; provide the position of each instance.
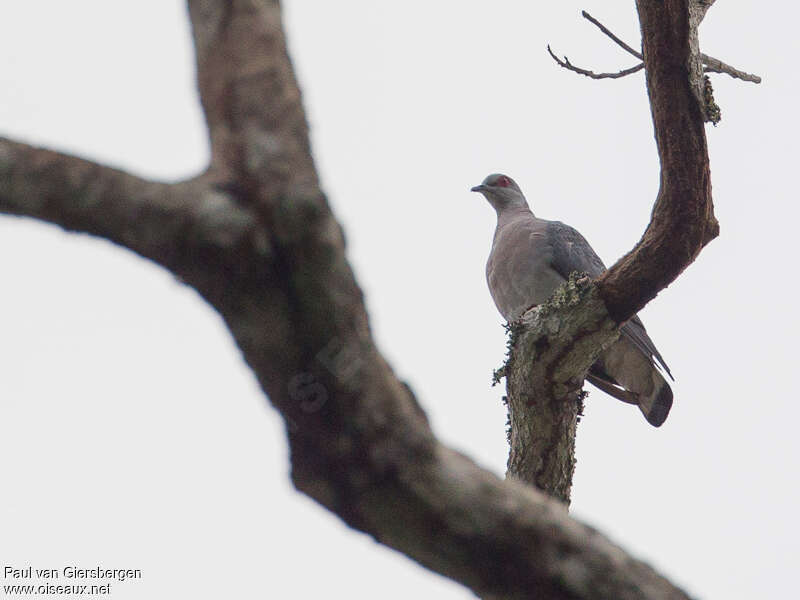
(530, 258)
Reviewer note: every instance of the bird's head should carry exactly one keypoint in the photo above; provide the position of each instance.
(501, 191)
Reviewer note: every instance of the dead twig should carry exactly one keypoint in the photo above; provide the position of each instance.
(605, 30)
(713, 65)
(568, 65)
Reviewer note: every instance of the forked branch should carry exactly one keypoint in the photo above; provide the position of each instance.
(710, 64)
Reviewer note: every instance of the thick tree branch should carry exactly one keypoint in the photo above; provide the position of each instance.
(80, 195)
(683, 216)
(183, 227)
(250, 97)
(552, 347)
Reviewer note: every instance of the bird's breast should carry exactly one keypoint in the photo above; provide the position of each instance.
(519, 271)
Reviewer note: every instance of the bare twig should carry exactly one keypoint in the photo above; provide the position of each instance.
(713, 65)
(605, 30)
(568, 65)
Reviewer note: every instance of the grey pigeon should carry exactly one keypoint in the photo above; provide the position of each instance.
(530, 258)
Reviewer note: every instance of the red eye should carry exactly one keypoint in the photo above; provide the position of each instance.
(503, 181)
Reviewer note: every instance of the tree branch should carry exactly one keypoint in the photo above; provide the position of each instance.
(616, 40)
(251, 100)
(568, 65)
(144, 216)
(552, 346)
(712, 65)
(683, 216)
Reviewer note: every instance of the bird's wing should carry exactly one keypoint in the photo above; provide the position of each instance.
(634, 330)
(571, 252)
(519, 270)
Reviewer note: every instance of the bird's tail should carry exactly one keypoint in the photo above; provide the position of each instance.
(656, 405)
(625, 373)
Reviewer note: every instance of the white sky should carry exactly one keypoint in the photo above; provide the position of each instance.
(133, 436)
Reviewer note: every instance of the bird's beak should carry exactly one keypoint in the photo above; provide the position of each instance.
(477, 188)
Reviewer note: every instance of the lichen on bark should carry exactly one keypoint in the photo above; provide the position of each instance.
(551, 348)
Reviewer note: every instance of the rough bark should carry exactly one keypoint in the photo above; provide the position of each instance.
(256, 237)
(683, 216)
(551, 347)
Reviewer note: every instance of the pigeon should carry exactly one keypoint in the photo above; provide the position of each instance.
(530, 258)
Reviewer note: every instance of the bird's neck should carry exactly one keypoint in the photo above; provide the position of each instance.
(509, 213)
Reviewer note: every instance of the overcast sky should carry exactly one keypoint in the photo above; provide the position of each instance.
(134, 436)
